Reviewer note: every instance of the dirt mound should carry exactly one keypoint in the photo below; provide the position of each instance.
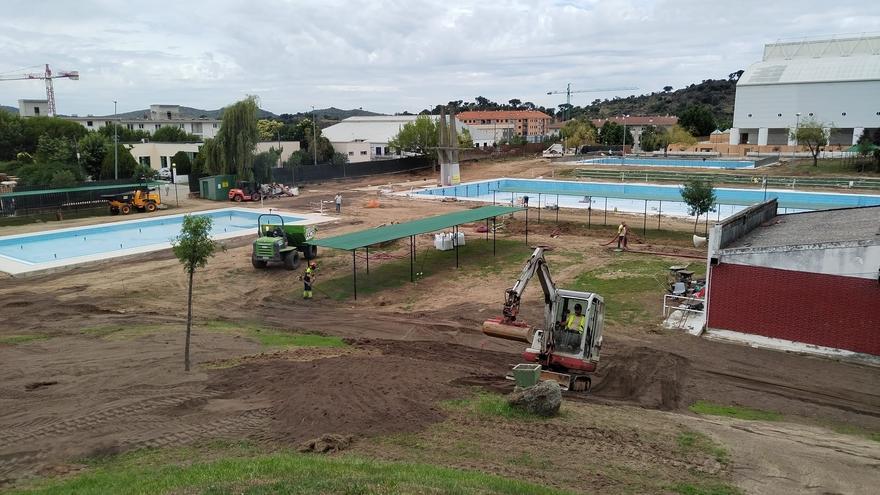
(395, 387)
(327, 443)
(647, 377)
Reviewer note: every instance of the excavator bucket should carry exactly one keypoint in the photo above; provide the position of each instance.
(518, 331)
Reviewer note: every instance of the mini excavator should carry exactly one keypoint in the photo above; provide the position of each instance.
(567, 347)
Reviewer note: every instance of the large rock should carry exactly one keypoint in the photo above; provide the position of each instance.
(543, 399)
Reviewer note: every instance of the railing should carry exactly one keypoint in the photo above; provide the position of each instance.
(754, 180)
(673, 303)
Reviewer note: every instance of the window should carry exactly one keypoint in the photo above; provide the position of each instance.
(130, 127)
(37, 111)
(140, 126)
(88, 123)
(378, 151)
(158, 126)
(363, 153)
(144, 160)
(215, 125)
(351, 153)
(168, 114)
(196, 127)
(107, 123)
(163, 161)
(843, 114)
(180, 125)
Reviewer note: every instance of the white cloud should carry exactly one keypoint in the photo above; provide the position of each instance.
(393, 55)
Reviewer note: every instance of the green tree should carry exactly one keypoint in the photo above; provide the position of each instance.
(298, 158)
(649, 139)
(210, 159)
(124, 134)
(54, 127)
(42, 174)
(864, 147)
(269, 129)
(264, 163)
(698, 120)
(193, 247)
(578, 132)
(93, 148)
(55, 150)
(680, 135)
(464, 139)
(172, 134)
(143, 171)
(699, 196)
(419, 136)
(238, 137)
(339, 159)
(127, 163)
(62, 178)
(812, 134)
(611, 133)
(182, 162)
(11, 135)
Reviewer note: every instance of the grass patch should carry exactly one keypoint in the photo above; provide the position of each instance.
(708, 489)
(491, 405)
(829, 166)
(692, 441)
(847, 429)
(21, 339)
(747, 413)
(273, 338)
(50, 217)
(632, 286)
(475, 254)
(188, 470)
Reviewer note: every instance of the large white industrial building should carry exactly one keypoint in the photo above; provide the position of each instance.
(835, 82)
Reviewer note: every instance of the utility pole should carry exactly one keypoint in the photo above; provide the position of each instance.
(314, 139)
(623, 149)
(115, 143)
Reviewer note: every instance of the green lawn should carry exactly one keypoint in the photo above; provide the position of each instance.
(243, 471)
(21, 339)
(475, 255)
(712, 409)
(271, 337)
(829, 166)
(632, 285)
(488, 405)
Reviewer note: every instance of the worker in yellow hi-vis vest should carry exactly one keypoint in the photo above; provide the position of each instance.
(577, 321)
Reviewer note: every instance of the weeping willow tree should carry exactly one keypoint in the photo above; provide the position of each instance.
(232, 151)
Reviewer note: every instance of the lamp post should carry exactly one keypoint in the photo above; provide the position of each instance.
(623, 149)
(797, 123)
(314, 139)
(115, 143)
(174, 181)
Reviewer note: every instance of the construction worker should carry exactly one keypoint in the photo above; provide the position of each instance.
(576, 322)
(308, 278)
(622, 231)
(338, 201)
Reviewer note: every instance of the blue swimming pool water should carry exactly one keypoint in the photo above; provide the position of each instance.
(671, 162)
(633, 197)
(71, 243)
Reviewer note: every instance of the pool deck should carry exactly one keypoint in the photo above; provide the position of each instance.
(18, 268)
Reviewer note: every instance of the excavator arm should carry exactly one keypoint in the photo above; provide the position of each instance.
(508, 326)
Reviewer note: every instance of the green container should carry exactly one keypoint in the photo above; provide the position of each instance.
(216, 187)
(526, 375)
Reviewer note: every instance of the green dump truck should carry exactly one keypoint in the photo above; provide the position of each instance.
(281, 243)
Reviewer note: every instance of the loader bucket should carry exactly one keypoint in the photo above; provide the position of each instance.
(519, 331)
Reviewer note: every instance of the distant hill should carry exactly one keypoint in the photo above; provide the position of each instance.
(331, 114)
(9, 109)
(716, 94)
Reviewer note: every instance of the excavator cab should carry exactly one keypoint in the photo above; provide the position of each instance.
(578, 325)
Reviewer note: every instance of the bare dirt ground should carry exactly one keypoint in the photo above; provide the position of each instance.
(103, 372)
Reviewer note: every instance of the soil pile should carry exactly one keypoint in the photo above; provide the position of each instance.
(395, 388)
(647, 377)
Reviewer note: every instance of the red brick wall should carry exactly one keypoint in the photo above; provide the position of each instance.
(827, 310)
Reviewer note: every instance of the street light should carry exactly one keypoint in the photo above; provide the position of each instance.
(314, 138)
(115, 144)
(623, 149)
(797, 123)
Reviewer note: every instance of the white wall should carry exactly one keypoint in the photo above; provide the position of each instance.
(826, 101)
(848, 259)
(202, 128)
(287, 148)
(356, 151)
(156, 151)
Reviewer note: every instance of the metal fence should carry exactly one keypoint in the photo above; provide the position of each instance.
(32, 200)
(754, 180)
(311, 173)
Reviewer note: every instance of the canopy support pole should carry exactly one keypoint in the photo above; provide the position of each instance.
(527, 226)
(645, 221)
(455, 243)
(557, 209)
(659, 213)
(539, 207)
(368, 260)
(412, 255)
(606, 212)
(354, 273)
(493, 236)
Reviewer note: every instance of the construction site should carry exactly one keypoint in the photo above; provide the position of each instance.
(388, 365)
(394, 369)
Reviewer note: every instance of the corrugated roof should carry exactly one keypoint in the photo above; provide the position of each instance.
(369, 237)
(815, 227)
(379, 129)
(639, 120)
(812, 70)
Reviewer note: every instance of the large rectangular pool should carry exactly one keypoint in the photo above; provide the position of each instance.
(671, 162)
(28, 252)
(637, 198)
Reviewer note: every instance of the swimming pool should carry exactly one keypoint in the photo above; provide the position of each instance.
(665, 199)
(62, 247)
(671, 162)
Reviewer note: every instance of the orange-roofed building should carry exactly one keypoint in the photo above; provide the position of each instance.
(531, 124)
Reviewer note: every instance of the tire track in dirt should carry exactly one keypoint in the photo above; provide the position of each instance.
(95, 419)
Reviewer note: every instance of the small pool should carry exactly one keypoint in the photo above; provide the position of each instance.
(60, 247)
(671, 162)
(638, 198)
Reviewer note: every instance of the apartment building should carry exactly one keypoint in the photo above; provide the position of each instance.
(531, 124)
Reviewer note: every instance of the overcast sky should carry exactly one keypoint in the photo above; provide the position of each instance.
(394, 55)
